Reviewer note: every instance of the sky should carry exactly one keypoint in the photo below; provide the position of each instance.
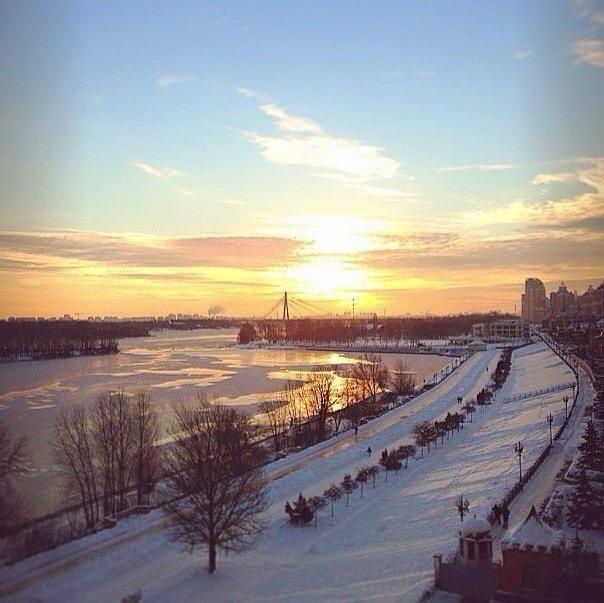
(417, 156)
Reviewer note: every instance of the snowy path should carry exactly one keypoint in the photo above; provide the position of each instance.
(380, 548)
(541, 485)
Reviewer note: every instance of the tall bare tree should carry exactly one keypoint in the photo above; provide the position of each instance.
(294, 395)
(146, 461)
(214, 471)
(402, 382)
(13, 463)
(277, 414)
(372, 375)
(113, 430)
(320, 397)
(72, 443)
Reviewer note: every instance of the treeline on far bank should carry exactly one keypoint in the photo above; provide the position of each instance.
(62, 339)
(412, 329)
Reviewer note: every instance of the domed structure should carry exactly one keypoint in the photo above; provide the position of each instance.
(475, 525)
(475, 542)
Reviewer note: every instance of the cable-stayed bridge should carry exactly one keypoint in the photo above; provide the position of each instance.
(287, 307)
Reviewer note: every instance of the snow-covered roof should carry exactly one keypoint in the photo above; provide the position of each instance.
(475, 525)
(532, 535)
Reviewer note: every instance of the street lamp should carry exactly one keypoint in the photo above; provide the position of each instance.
(462, 506)
(565, 399)
(519, 449)
(550, 420)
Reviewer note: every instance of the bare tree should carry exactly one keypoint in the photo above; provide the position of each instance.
(320, 400)
(72, 446)
(351, 397)
(403, 382)
(146, 461)
(294, 403)
(112, 423)
(372, 376)
(277, 414)
(214, 470)
(13, 460)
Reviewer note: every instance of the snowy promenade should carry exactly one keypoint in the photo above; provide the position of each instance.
(380, 548)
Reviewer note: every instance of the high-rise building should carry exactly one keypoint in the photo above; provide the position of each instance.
(534, 301)
(562, 302)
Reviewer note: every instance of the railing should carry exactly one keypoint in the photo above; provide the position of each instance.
(540, 392)
(511, 494)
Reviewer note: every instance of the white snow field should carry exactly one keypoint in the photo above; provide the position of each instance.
(379, 548)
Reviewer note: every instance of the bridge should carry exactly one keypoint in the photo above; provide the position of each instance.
(287, 307)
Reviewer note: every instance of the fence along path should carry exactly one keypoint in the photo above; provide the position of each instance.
(539, 392)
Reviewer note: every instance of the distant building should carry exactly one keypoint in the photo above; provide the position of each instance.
(534, 301)
(591, 303)
(562, 302)
(477, 346)
(509, 328)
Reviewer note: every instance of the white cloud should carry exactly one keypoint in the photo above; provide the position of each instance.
(589, 50)
(157, 172)
(290, 123)
(590, 172)
(522, 54)
(340, 155)
(478, 167)
(307, 144)
(170, 79)
(185, 192)
(247, 92)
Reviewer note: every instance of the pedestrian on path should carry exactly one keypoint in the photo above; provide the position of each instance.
(505, 511)
(369, 451)
(356, 430)
(496, 514)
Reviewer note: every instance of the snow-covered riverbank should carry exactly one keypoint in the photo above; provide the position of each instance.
(379, 548)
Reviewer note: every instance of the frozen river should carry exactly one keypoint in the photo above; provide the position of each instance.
(171, 366)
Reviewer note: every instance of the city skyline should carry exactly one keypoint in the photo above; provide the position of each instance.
(158, 160)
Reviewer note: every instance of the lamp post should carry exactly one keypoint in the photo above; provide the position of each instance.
(550, 420)
(565, 399)
(462, 506)
(519, 449)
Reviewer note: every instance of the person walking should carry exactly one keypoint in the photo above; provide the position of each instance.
(496, 514)
(505, 511)
(369, 451)
(356, 430)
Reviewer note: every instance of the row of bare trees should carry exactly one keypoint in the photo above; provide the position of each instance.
(321, 401)
(212, 480)
(107, 450)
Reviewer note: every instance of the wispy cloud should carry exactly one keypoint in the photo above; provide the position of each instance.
(157, 172)
(141, 250)
(478, 167)
(522, 54)
(170, 79)
(247, 92)
(290, 123)
(308, 144)
(556, 214)
(586, 9)
(589, 50)
(185, 192)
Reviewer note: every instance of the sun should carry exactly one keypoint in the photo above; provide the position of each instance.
(326, 277)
